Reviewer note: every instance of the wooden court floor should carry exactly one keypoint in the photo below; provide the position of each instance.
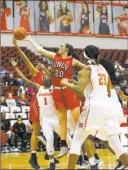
(20, 160)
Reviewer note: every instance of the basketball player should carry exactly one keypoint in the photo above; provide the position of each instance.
(45, 17)
(85, 19)
(37, 77)
(98, 111)
(122, 22)
(64, 98)
(48, 117)
(65, 17)
(114, 98)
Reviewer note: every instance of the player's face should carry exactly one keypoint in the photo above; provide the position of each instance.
(104, 9)
(43, 5)
(84, 6)
(10, 96)
(126, 11)
(62, 49)
(19, 121)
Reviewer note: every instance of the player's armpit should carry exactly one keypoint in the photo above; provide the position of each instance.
(78, 64)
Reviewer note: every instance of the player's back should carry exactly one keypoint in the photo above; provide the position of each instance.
(97, 88)
(45, 102)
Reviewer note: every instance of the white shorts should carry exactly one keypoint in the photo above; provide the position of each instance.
(96, 112)
(50, 124)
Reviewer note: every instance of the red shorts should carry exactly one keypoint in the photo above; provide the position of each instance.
(34, 110)
(65, 99)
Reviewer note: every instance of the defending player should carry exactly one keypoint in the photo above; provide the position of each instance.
(37, 77)
(64, 98)
(98, 111)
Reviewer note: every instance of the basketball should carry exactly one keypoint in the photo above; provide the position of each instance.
(85, 29)
(19, 3)
(65, 21)
(19, 33)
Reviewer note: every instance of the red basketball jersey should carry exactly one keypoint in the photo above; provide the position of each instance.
(39, 78)
(62, 68)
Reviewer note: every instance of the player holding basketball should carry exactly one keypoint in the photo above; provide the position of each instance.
(64, 98)
(37, 77)
(98, 111)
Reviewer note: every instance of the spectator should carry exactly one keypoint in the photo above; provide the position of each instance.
(22, 90)
(4, 107)
(3, 72)
(20, 82)
(11, 103)
(5, 127)
(23, 103)
(10, 80)
(19, 129)
(124, 86)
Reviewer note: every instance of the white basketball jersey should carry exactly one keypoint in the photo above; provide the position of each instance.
(45, 102)
(97, 88)
(114, 97)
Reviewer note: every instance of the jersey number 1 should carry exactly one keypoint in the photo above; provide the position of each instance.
(45, 101)
(102, 79)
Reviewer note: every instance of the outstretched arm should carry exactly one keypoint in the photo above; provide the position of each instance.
(41, 50)
(83, 81)
(20, 74)
(122, 96)
(27, 62)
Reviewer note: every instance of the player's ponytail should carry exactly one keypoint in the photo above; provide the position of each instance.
(70, 49)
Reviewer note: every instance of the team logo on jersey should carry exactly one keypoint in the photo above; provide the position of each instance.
(62, 65)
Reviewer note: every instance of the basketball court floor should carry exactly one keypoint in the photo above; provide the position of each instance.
(20, 160)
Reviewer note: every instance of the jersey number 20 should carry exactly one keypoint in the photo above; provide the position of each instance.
(102, 79)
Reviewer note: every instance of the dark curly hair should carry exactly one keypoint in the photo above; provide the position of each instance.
(92, 52)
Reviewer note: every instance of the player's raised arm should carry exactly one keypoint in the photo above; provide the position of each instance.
(83, 80)
(40, 49)
(14, 62)
(27, 62)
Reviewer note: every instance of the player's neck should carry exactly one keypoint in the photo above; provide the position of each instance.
(65, 56)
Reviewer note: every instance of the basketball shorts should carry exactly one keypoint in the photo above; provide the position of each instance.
(50, 124)
(65, 99)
